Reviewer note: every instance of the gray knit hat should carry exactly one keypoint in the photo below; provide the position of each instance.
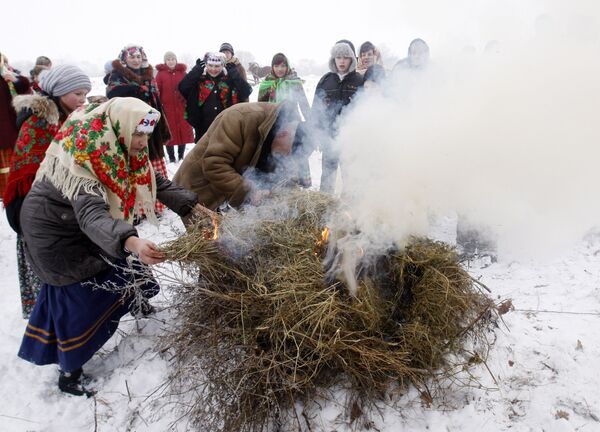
(225, 46)
(168, 55)
(63, 79)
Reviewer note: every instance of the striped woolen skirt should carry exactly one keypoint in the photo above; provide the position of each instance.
(70, 323)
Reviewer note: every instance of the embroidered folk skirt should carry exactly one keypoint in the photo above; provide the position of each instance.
(70, 323)
(29, 282)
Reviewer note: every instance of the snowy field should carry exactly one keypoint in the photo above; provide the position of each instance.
(544, 361)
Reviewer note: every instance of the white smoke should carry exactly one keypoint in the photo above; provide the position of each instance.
(510, 140)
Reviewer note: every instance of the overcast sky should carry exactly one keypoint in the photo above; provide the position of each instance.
(77, 31)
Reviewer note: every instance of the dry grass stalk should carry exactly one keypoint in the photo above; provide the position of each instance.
(263, 328)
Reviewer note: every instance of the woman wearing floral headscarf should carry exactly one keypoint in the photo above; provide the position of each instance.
(209, 88)
(77, 221)
(133, 76)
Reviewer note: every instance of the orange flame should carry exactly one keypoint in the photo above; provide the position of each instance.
(321, 242)
(215, 223)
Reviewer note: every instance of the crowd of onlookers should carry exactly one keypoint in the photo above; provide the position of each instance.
(75, 179)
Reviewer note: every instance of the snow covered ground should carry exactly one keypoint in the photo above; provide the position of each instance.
(544, 361)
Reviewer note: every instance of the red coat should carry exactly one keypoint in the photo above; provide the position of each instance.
(167, 81)
(8, 117)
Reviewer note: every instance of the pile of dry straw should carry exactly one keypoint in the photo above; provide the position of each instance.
(263, 329)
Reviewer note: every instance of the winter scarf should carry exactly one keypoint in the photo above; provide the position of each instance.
(142, 78)
(33, 140)
(228, 95)
(273, 89)
(91, 153)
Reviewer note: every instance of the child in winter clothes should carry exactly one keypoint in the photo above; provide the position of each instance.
(79, 238)
(63, 89)
(368, 55)
(12, 83)
(334, 92)
(209, 88)
(133, 76)
(283, 84)
(168, 78)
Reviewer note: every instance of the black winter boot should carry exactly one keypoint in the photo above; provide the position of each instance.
(70, 382)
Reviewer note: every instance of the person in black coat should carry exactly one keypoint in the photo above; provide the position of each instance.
(211, 86)
(334, 92)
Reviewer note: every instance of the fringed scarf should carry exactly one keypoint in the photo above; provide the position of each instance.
(91, 153)
(35, 135)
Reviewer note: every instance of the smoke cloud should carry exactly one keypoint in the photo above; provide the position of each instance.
(507, 139)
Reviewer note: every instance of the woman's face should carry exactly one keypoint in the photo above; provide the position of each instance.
(280, 70)
(171, 62)
(139, 141)
(71, 101)
(134, 61)
(214, 69)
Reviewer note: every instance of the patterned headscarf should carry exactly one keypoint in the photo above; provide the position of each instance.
(132, 49)
(91, 151)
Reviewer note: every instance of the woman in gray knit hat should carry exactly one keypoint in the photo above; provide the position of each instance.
(39, 117)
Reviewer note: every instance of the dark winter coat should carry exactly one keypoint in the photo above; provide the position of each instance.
(126, 82)
(331, 96)
(167, 81)
(67, 241)
(8, 116)
(206, 96)
(215, 166)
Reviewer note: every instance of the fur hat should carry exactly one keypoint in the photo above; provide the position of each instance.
(227, 47)
(342, 49)
(63, 79)
(349, 43)
(168, 55)
(132, 49)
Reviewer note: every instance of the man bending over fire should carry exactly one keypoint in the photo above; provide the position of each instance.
(248, 149)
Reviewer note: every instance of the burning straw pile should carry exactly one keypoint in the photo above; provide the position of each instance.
(266, 326)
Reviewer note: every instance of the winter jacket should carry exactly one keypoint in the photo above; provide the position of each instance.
(214, 168)
(39, 120)
(68, 241)
(241, 72)
(126, 82)
(207, 96)
(332, 94)
(167, 81)
(8, 116)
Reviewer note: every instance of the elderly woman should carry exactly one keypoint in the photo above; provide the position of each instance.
(78, 233)
(209, 88)
(62, 91)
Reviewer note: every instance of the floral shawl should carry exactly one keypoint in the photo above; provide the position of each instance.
(91, 151)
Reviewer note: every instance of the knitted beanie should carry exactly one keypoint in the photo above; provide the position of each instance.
(212, 58)
(227, 47)
(63, 79)
(168, 55)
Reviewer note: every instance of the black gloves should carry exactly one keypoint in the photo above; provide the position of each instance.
(232, 70)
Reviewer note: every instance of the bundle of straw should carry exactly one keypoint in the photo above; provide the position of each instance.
(262, 326)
